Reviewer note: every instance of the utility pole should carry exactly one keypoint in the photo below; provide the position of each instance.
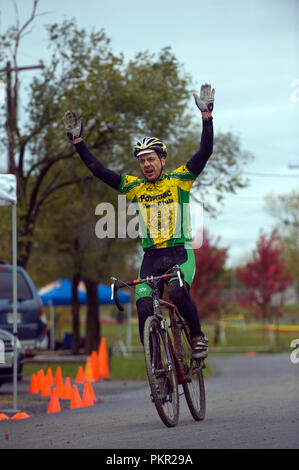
(11, 110)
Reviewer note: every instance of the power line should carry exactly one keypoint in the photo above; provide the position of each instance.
(271, 175)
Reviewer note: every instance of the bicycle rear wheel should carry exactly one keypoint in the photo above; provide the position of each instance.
(161, 376)
(194, 387)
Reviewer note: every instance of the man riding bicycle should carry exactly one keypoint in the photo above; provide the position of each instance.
(161, 199)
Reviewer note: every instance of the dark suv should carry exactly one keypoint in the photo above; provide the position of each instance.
(32, 327)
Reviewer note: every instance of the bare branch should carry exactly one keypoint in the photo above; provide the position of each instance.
(22, 28)
(49, 191)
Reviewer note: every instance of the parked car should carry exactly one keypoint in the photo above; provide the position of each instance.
(7, 357)
(32, 325)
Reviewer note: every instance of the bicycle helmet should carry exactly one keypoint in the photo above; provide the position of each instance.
(148, 145)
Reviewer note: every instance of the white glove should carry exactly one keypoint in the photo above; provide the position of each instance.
(73, 125)
(206, 100)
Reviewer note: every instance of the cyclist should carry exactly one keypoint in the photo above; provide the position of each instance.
(162, 200)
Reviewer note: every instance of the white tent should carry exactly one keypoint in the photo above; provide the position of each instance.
(8, 197)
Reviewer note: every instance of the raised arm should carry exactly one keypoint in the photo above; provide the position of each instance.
(74, 128)
(205, 103)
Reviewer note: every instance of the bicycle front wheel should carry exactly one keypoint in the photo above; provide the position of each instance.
(193, 385)
(161, 375)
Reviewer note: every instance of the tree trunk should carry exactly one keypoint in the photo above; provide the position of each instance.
(216, 333)
(92, 321)
(75, 315)
(277, 335)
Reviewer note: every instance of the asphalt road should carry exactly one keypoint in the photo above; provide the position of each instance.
(252, 403)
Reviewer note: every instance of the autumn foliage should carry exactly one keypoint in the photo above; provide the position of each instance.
(207, 287)
(264, 276)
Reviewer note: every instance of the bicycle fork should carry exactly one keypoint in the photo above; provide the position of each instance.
(156, 358)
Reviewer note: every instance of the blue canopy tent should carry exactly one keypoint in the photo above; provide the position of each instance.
(59, 293)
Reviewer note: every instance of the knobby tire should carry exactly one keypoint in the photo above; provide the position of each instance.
(163, 383)
(194, 387)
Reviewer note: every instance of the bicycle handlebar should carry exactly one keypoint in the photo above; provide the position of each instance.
(115, 283)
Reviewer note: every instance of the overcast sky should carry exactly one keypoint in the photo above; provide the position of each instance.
(248, 51)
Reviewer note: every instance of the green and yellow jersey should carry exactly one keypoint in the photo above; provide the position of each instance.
(163, 207)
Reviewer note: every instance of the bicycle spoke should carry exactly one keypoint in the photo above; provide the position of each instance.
(162, 377)
(194, 384)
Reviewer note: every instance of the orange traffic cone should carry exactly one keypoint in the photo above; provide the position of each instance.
(3, 416)
(49, 376)
(40, 379)
(59, 386)
(20, 415)
(76, 401)
(54, 404)
(103, 360)
(46, 389)
(91, 391)
(67, 390)
(87, 399)
(33, 388)
(95, 366)
(88, 370)
(58, 375)
(80, 379)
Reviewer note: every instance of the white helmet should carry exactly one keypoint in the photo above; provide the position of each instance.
(148, 145)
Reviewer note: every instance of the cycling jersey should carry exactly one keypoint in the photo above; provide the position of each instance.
(163, 207)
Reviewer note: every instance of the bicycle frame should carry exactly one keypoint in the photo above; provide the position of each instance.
(173, 312)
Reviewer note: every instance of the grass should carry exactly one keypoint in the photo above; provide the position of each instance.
(239, 337)
(68, 370)
(131, 368)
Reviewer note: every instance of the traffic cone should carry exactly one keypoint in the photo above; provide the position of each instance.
(3, 416)
(33, 388)
(49, 376)
(76, 401)
(87, 399)
(20, 415)
(58, 375)
(88, 370)
(103, 360)
(59, 386)
(46, 389)
(91, 391)
(95, 366)
(54, 404)
(67, 390)
(80, 379)
(40, 379)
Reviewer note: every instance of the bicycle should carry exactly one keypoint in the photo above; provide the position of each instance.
(168, 354)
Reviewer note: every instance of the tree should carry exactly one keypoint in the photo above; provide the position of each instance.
(263, 277)
(223, 172)
(118, 101)
(66, 246)
(285, 209)
(208, 285)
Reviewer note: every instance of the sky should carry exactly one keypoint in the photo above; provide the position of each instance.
(248, 51)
